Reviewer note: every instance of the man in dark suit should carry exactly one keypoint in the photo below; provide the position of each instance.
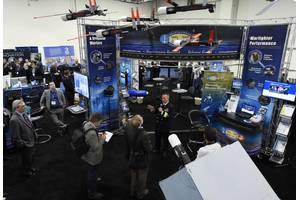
(164, 113)
(76, 66)
(68, 81)
(55, 102)
(23, 135)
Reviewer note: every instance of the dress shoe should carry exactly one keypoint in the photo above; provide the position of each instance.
(143, 194)
(62, 129)
(28, 174)
(95, 196)
(99, 179)
(35, 170)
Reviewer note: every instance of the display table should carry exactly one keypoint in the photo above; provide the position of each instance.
(149, 88)
(10, 93)
(233, 128)
(239, 122)
(179, 93)
(76, 110)
(158, 82)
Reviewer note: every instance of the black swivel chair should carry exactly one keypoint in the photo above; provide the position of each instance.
(41, 137)
(200, 121)
(33, 100)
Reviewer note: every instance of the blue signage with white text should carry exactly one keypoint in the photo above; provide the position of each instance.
(58, 51)
(263, 59)
(102, 69)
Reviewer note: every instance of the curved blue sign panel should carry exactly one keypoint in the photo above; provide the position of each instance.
(184, 43)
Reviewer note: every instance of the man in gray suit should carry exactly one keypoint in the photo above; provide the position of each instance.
(55, 102)
(23, 135)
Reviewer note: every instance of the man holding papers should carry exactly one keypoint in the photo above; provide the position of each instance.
(95, 154)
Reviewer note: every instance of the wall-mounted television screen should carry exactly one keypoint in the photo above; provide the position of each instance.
(81, 84)
(284, 91)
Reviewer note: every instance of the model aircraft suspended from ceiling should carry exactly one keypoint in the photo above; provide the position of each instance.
(194, 40)
(135, 25)
(92, 9)
(136, 20)
(176, 8)
(267, 7)
(135, 17)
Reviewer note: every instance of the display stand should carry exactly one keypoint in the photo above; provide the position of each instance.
(282, 133)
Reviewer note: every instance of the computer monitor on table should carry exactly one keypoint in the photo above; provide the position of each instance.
(284, 91)
(246, 108)
(81, 84)
(14, 81)
(164, 72)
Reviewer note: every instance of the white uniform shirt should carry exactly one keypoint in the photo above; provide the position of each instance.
(207, 149)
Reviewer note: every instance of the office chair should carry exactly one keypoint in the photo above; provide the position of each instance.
(41, 137)
(200, 121)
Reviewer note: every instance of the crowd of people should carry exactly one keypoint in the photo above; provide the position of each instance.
(61, 74)
(139, 145)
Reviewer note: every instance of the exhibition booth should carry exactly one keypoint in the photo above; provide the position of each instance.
(244, 103)
(231, 72)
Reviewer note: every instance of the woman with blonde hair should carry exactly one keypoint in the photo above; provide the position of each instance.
(138, 149)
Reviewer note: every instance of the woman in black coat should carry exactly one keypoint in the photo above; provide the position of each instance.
(139, 147)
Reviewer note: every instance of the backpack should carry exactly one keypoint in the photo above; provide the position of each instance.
(78, 143)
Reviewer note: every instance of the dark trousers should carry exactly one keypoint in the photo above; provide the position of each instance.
(70, 98)
(138, 181)
(161, 136)
(27, 158)
(92, 178)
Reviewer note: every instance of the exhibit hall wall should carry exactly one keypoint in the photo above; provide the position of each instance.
(20, 29)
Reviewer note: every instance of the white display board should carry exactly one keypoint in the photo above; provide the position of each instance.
(227, 174)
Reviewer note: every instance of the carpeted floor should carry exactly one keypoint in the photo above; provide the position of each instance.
(62, 175)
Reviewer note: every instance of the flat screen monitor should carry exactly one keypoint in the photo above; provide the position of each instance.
(237, 83)
(216, 66)
(284, 91)
(164, 72)
(174, 72)
(148, 73)
(248, 109)
(81, 84)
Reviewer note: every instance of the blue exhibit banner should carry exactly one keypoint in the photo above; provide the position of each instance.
(58, 51)
(11, 53)
(263, 59)
(102, 69)
(31, 49)
(197, 42)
